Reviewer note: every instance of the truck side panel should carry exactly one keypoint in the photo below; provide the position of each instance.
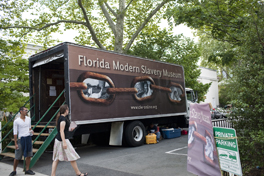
(105, 86)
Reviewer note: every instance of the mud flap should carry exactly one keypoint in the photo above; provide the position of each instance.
(116, 134)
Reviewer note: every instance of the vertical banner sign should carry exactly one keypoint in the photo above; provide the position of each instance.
(202, 157)
(226, 143)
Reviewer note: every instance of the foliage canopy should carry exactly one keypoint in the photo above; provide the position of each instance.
(13, 74)
(111, 25)
(163, 46)
(240, 23)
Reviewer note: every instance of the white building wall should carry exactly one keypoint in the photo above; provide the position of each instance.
(207, 76)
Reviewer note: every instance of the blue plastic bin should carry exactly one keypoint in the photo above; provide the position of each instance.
(171, 133)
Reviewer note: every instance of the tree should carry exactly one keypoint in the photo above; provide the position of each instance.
(164, 46)
(13, 74)
(239, 23)
(248, 76)
(112, 25)
(224, 20)
(217, 55)
(220, 56)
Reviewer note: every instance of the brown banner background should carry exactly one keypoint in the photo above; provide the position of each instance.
(121, 105)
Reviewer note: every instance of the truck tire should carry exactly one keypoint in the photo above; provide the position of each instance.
(134, 134)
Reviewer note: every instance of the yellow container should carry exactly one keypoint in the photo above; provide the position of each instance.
(151, 138)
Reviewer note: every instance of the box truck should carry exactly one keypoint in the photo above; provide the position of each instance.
(107, 92)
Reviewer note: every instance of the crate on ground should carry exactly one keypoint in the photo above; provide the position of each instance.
(151, 138)
(171, 133)
(184, 132)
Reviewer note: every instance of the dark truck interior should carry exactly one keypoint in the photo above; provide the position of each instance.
(48, 82)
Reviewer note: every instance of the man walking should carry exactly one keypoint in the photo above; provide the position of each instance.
(23, 142)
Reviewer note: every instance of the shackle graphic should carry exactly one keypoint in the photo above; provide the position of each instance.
(143, 86)
(86, 90)
(98, 88)
(209, 150)
(175, 92)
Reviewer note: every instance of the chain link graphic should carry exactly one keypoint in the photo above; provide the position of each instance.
(86, 90)
(208, 142)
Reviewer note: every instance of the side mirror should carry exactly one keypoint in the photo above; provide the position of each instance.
(196, 96)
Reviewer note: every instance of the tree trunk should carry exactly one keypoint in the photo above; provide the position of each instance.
(120, 27)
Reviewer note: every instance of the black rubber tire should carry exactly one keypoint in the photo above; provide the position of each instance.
(134, 134)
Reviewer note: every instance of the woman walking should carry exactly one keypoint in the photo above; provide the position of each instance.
(63, 149)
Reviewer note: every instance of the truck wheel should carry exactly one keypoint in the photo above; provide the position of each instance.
(134, 134)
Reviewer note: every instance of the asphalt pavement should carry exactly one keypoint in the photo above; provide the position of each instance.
(6, 169)
(168, 158)
(64, 168)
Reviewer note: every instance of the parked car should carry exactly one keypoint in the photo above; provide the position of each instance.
(217, 114)
(225, 112)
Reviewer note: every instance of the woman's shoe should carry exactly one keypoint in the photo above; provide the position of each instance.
(29, 172)
(13, 173)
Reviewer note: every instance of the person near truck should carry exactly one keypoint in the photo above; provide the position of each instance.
(63, 149)
(143, 89)
(23, 142)
(95, 91)
(4, 119)
(153, 129)
(175, 95)
(10, 116)
(147, 90)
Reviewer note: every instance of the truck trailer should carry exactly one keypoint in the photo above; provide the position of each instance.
(108, 93)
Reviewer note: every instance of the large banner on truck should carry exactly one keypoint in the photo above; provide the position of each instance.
(105, 86)
(202, 154)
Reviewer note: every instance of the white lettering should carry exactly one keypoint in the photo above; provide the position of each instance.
(226, 143)
(200, 116)
(221, 134)
(126, 67)
(80, 59)
(149, 71)
(89, 62)
(171, 74)
(93, 63)
(143, 68)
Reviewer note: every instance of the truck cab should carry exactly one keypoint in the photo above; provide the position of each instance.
(191, 97)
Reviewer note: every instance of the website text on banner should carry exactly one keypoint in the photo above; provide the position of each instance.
(202, 155)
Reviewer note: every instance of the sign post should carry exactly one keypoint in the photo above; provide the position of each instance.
(227, 147)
